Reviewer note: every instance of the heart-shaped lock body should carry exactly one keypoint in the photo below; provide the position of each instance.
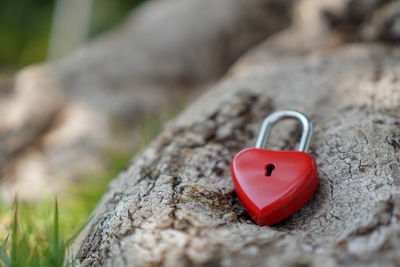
(273, 184)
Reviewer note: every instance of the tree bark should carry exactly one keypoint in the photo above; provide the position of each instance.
(176, 204)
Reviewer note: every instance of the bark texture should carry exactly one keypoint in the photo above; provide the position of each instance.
(176, 204)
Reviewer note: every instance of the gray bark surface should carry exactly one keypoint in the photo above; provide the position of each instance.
(22, 120)
(165, 46)
(176, 205)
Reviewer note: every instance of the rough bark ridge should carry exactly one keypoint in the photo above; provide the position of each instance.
(176, 205)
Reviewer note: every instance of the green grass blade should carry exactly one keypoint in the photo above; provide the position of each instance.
(14, 235)
(56, 227)
(3, 256)
(3, 247)
(57, 250)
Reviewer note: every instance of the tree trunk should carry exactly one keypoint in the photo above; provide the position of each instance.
(176, 204)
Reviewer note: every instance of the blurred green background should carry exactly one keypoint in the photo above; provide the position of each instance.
(25, 27)
(39, 233)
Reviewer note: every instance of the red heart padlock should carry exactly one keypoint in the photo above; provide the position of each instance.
(273, 184)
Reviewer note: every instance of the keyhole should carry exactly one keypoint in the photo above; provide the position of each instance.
(268, 169)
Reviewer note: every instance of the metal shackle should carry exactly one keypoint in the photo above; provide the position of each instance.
(284, 114)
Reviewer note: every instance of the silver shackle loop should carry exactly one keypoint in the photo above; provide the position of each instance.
(284, 114)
